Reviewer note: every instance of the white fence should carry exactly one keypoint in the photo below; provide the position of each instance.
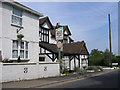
(26, 71)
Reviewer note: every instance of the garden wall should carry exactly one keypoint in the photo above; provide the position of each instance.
(27, 71)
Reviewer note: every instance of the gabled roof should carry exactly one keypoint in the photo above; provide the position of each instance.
(45, 19)
(12, 2)
(75, 48)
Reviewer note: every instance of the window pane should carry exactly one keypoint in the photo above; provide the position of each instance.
(14, 54)
(22, 45)
(21, 53)
(26, 45)
(15, 44)
(17, 12)
(26, 54)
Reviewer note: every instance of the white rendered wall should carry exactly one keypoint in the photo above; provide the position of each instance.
(0, 72)
(0, 25)
(30, 31)
(76, 62)
(16, 72)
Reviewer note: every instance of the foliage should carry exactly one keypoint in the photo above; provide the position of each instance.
(6, 60)
(19, 60)
(80, 71)
(76, 69)
(95, 57)
(64, 70)
(20, 36)
(101, 58)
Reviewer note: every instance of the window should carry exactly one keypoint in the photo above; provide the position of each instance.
(19, 48)
(17, 17)
(84, 61)
(44, 35)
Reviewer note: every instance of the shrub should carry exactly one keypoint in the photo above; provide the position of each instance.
(6, 60)
(64, 70)
(80, 71)
(76, 69)
(20, 36)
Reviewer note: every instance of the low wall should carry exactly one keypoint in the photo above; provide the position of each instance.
(26, 71)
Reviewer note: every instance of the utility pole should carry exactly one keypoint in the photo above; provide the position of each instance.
(110, 41)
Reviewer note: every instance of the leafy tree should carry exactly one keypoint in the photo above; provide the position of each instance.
(106, 55)
(96, 57)
(102, 58)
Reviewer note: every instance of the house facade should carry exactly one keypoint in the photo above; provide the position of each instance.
(18, 19)
(74, 54)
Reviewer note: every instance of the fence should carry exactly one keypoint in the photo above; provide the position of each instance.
(27, 71)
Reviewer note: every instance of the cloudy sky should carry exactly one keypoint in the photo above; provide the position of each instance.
(87, 21)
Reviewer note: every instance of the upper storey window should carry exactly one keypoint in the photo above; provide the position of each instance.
(17, 17)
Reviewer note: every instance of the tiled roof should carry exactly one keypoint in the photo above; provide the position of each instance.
(75, 48)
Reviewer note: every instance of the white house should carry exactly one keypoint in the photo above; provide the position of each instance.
(75, 54)
(15, 20)
(19, 19)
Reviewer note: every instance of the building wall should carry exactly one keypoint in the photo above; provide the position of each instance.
(30, 31)
(66, 62)
(0, 25)
(28, 71)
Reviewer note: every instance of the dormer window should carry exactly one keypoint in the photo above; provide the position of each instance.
(17, 17)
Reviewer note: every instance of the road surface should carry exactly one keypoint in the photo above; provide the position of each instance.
(108, 80)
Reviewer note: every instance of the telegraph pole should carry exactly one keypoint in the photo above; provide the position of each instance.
(110, 41)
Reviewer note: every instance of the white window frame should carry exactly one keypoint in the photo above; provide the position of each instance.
(21, 49)
(18, 23)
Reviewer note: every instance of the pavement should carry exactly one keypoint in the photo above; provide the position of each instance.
(50, 80)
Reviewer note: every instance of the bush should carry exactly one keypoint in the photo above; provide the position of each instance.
(64, 70)
(76, 69)
(80, 71)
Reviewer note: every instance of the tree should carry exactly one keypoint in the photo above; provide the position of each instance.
(106, 59)
(96, 57)
(102, 58)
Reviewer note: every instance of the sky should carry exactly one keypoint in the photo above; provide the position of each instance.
(87, 21)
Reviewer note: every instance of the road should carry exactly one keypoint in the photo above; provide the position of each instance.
(108, 80)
